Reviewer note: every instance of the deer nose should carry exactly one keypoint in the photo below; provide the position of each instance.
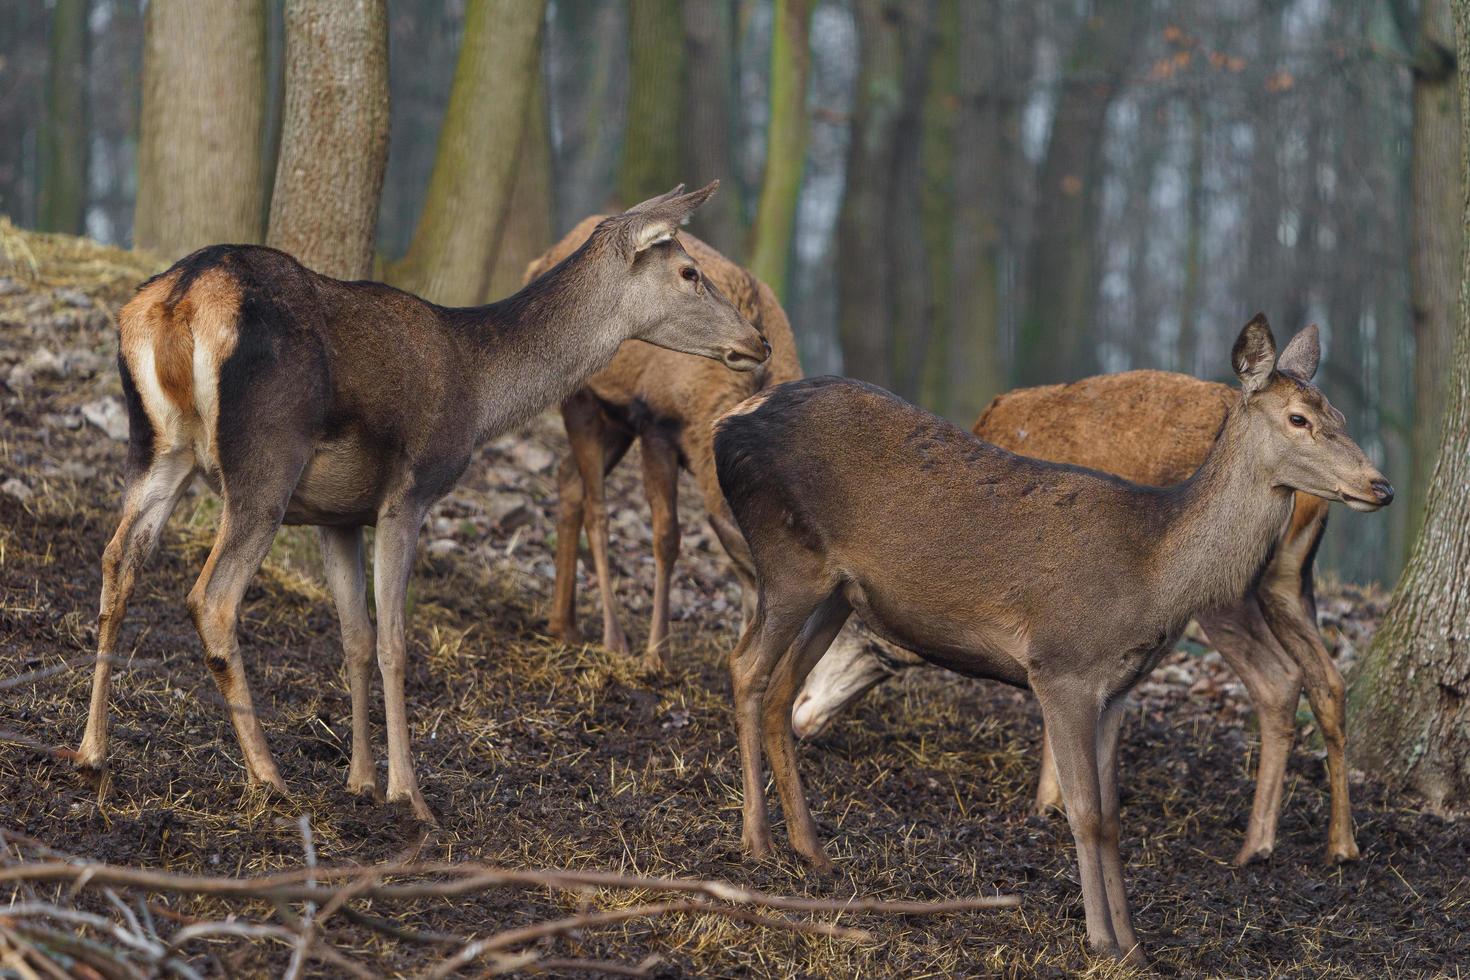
(1382, 492)
(767, 345)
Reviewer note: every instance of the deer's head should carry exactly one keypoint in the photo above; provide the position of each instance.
(1299, 438)
(664, 295)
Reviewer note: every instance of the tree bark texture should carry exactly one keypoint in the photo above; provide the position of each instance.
(526, 232)
(199, 153)
(469, 192)
(653, 138)
(775, 217)
(64, 149)
(1411, 696)
(334, 140)
(708, 123)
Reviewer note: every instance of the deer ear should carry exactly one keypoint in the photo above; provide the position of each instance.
(1254, 354)
(1301, 354)
(658, 219)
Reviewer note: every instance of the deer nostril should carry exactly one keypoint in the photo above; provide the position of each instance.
(767, 345)
(1382, 491)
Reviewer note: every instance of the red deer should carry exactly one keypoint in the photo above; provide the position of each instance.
(1067, 581)
(666, 401)
(1156, 428)
(306, 400)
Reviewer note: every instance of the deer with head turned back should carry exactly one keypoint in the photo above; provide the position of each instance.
(1070, 582)
(666, 401)
(306, 400)
(1155, 428)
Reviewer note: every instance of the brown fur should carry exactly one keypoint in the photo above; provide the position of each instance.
(651, 394)
(1065, 580)
(1155, 428)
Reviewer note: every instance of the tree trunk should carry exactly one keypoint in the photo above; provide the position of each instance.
(199, 153)
(974, 365)
(1055, 339)
(653, 158)
(64, 144)
(334, 139)
(526, 231)
(1411, 696)
(775, 216)
(1434, 253)
(708, 123)
(469, 193)
(911, 310)
(865, 269)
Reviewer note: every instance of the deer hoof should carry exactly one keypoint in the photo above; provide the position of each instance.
(1343, 853)
(1251, 854)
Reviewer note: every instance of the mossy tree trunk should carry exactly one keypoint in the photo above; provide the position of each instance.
(199, 153)
(1434, 251)
(653, 138)
(1055, 337)
(526, 231)
(1411, 696)
(775, 216)
(334, 140)
(708, 123)
(469, 193)
(64, 151)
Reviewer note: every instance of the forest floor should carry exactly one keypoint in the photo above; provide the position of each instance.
(536, 754)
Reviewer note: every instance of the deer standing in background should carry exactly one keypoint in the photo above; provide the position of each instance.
(1068, 581)
(666, 401)
(1155, 428)
(307, 400)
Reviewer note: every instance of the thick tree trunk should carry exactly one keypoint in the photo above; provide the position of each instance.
(775, 216)
(334, 140)
(865, 270)
(708, 123)
(526, 232)
(973, 363)
(1055, 338)
(1411, 696)
(64, 149)
(1434, 253)
(469, 192)
(653, 158)
(199, 153)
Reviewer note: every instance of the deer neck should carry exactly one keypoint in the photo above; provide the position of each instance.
(1223, 523)
(538, 346)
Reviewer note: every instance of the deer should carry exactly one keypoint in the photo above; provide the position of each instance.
(1067, 581)
(302, 399)
(665, 401)
(1155, 428)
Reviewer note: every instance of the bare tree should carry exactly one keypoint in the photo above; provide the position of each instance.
(199, 154)
(1434, 253)
(334, 141)
(1412, 693)
(469, 192)
(526, 231)
(775, 217)
(708, 123)
(653, 134)
(63, 169)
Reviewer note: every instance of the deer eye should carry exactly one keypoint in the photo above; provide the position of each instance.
(1299, 421)
(689, 273)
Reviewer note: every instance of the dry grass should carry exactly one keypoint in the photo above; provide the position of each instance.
(535, 754)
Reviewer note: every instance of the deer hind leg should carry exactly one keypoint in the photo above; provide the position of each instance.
(740, 558)
(1274, 682)
(393, 556)
(343, 560)
(247, 528)
(661, 486)
(150, 498)
(820, 629)
(771, 631)
(1073, 715)
(1048, 788)
(597, 447)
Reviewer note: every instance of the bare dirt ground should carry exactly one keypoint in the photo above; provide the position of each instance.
(535, 754)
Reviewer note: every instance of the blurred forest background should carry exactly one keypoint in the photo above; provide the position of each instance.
(951, 197)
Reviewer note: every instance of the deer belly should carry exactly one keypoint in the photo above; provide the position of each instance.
(342, 484)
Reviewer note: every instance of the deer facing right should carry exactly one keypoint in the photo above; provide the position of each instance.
(1068, 581)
